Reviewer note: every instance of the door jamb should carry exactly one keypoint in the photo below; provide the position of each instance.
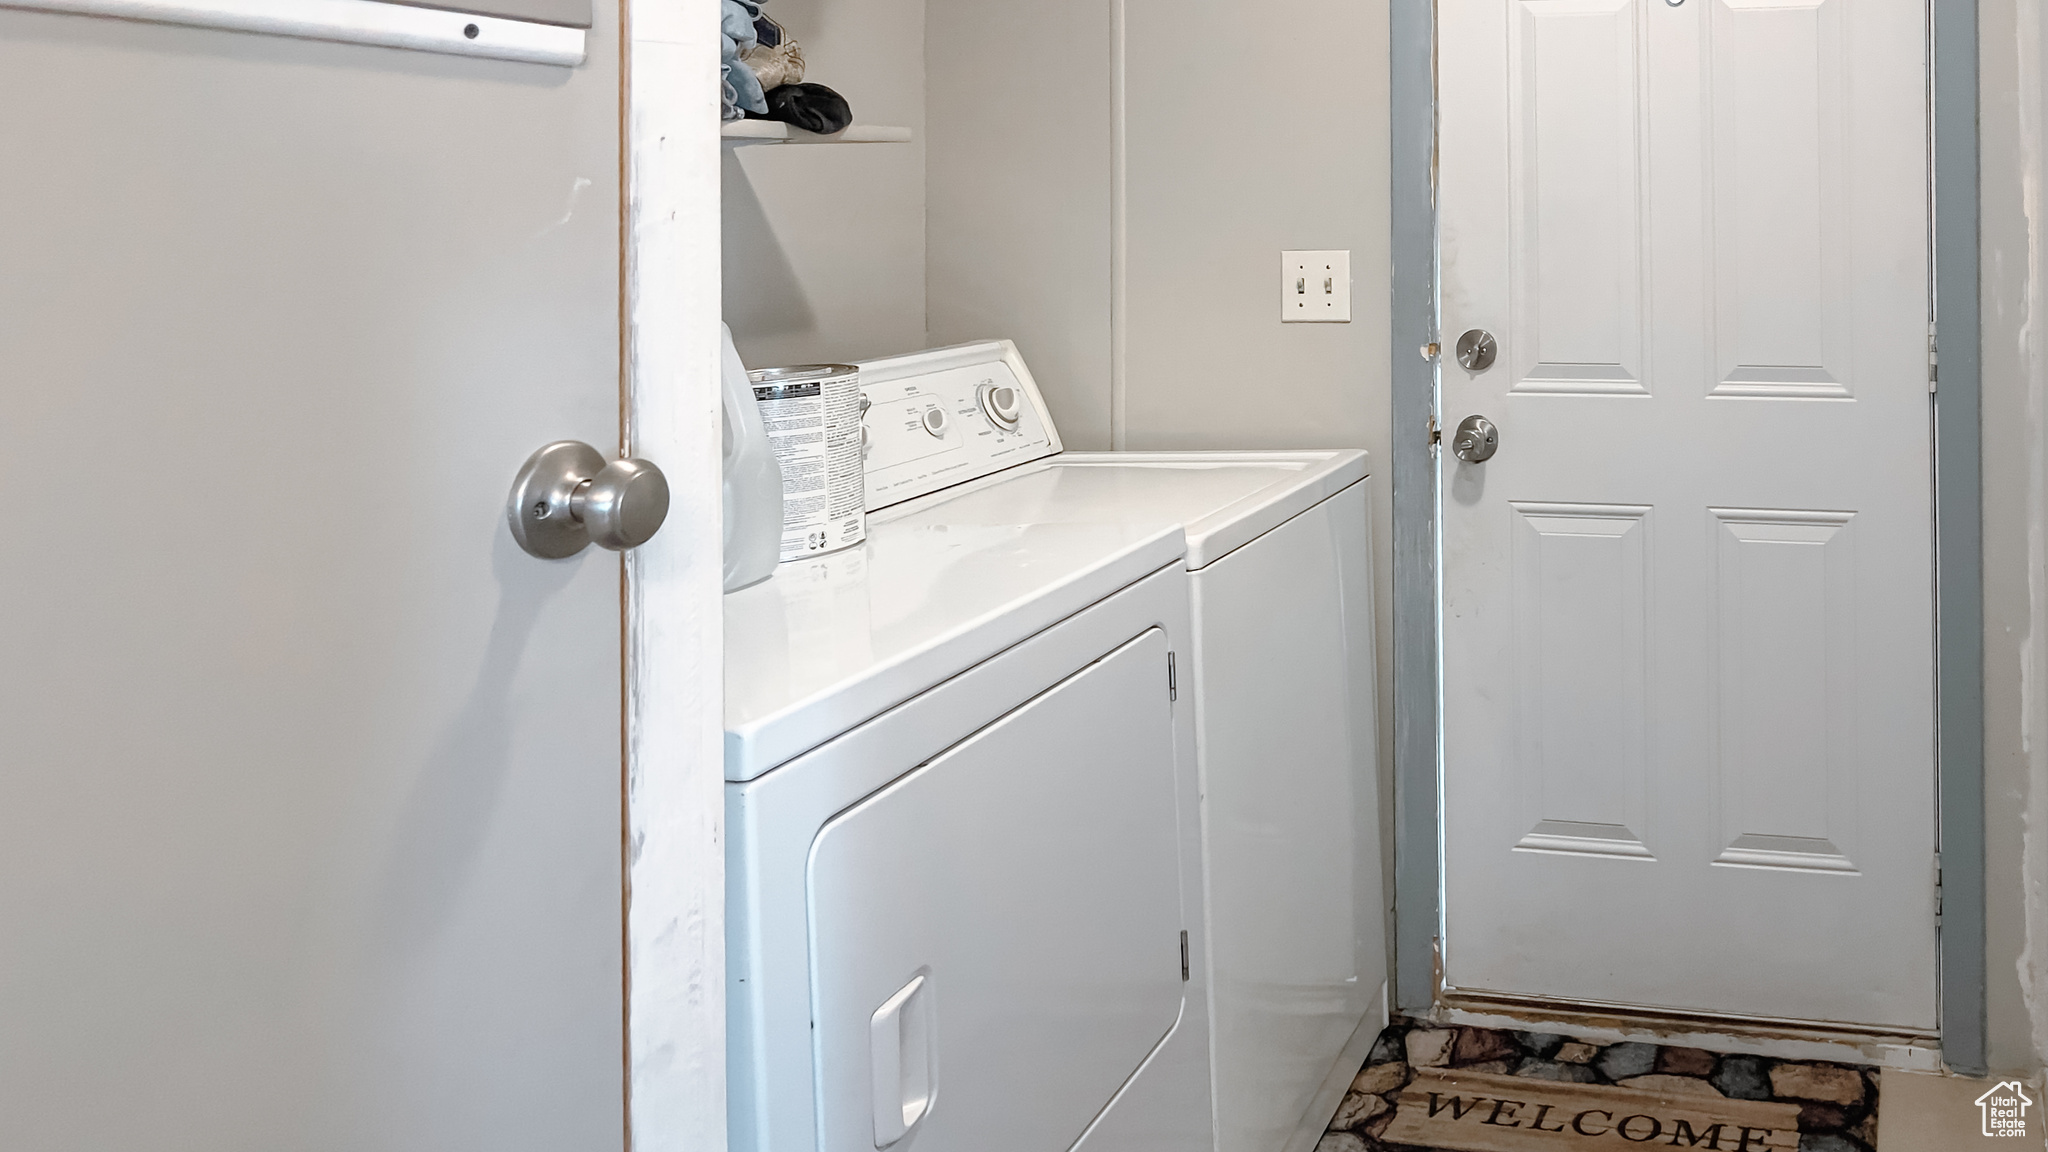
(1958, 542)
(674, 842)
(1417, 802)
(1957, 501)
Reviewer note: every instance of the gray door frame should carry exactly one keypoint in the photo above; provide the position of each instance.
(1417, 798)
(1959, 609)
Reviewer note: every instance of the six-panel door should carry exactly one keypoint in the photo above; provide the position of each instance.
(1687, 608)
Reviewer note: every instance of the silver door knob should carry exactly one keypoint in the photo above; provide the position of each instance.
(1476, 350)
(1476, 440)
(568, 496)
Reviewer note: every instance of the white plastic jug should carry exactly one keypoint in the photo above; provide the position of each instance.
(752, 490)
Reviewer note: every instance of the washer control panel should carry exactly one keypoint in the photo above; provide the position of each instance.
(934, 419)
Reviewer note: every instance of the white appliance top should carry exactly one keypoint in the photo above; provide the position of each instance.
(984, 537)
(829, 642)
(1222, 500)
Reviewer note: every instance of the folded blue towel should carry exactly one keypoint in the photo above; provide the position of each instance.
(742, 88)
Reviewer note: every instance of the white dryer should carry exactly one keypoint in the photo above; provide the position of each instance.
(964, 864)
(1002, 582)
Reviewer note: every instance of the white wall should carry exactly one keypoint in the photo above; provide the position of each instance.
(2013, 60)
(1250, 132)
(1242, 136)
(824, 244)
(1021, 228)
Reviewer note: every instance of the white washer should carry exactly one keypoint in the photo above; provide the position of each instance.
(1280, 583)
(999, 569)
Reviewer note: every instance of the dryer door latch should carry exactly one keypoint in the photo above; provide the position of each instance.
(901, 1046)
(1172, 684)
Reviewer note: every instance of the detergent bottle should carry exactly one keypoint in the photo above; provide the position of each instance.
(752, 489)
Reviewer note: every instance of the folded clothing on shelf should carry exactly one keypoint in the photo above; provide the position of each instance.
(812, 107)
(776, 64)
(743, 92)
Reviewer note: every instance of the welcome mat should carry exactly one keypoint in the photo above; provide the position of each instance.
(1439, 1088)
(1481, 1112)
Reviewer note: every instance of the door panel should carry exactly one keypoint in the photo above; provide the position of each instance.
(1688, 670)
(1575, 141)
(1048, 943)
(1780, 166)
(1784, 636)
(1580, 614)
(310, 804)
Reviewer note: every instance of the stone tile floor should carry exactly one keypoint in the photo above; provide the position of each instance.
(1837, 1102)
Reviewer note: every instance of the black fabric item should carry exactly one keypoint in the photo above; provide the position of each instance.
(809, 106)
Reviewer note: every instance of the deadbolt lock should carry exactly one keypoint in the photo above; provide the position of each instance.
(1476, 349)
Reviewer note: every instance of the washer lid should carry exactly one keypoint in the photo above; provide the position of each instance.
(827, 643)
(1223, 500)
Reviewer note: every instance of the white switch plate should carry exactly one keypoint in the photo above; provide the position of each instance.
(1315, 286)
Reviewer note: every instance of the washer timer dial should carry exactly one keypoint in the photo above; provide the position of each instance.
(999, 402)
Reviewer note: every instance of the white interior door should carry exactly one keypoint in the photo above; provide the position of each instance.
(1687, 607)
(310, 790)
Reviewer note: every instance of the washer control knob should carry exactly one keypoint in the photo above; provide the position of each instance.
(999, 402)
(935, 422)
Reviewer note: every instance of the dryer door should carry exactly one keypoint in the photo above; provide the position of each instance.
(996, 935)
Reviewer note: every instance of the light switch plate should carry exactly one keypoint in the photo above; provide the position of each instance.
(1315, 287)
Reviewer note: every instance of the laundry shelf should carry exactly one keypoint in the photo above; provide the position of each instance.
(740, 132)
